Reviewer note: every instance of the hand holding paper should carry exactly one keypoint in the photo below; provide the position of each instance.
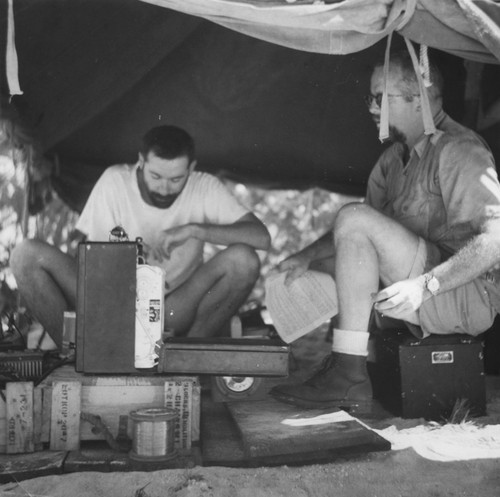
(301, 306)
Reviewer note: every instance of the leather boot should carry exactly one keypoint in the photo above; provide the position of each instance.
(341, 381)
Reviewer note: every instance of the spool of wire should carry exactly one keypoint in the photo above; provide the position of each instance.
(153, 434)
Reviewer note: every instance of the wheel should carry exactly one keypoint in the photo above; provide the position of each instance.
(236, 387)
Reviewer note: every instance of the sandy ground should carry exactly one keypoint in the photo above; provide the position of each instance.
(400, 473)
(378, 475)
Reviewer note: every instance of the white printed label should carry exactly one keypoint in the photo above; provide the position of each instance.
(444, 357)
(148, 315)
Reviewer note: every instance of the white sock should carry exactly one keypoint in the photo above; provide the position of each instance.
(350, 342)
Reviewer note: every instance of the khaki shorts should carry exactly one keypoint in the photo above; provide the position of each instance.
(465, 309)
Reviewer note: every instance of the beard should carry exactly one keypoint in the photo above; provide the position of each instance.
(152, 198)
(395, 135)
(162, 201)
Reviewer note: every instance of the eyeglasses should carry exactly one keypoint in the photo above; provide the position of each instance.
(377, 99)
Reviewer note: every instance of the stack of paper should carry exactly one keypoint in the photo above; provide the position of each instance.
(301, 306)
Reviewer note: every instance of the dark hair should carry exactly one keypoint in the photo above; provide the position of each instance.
(168, 142)
(409, 86)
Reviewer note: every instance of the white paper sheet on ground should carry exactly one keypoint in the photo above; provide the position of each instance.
(301, 306)
(322, 419)
(451, 442)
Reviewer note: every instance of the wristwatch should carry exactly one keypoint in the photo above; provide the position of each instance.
(431, 283)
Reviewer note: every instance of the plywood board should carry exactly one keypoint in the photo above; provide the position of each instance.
(19, 417)
(220, 440)
(270, 428)
(196, 414)
(3, 440)
(17, 467)
(37, 418)
(179, 396)
(65, 415)
(96, 456)
(46, 413)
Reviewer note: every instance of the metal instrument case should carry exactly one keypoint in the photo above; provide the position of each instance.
(416, 378)
(224, 356)
(105, 310)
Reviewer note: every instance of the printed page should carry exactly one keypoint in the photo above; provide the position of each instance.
(301, 306)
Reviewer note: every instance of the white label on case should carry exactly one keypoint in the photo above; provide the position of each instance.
(442, 357)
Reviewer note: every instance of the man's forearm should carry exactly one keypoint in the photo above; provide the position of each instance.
(480, 255)
(250, 233)
(320, 249)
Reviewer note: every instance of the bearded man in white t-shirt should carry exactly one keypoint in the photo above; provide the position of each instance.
(175, 210)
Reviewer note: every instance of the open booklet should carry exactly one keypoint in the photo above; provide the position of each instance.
(301, 306)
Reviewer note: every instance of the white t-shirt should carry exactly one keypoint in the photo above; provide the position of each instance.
(116, 201)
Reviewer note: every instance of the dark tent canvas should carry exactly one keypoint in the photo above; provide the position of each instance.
(276, 99)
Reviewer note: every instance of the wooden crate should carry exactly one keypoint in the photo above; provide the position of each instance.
(69, 407)
(112, 398)
(20, 418)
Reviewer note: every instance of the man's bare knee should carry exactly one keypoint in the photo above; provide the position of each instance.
(243, 261)
(354, 217)
(24, 255)
(32, 256)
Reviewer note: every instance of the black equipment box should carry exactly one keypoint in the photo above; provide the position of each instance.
(105, 308)
(416, 378)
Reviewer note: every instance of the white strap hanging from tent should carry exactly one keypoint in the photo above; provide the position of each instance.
(384, 109)
(429, 127)
(424, 65)
(11, 55)
(423, 83)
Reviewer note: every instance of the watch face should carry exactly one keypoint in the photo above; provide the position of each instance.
(433, 285)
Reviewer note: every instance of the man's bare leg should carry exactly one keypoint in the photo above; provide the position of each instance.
(326, 265)
(46, 278)
(368, 247)
(204, 304)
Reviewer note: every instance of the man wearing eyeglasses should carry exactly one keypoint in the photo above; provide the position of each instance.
(428, 233)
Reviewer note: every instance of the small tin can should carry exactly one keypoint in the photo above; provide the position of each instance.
(153, 434)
